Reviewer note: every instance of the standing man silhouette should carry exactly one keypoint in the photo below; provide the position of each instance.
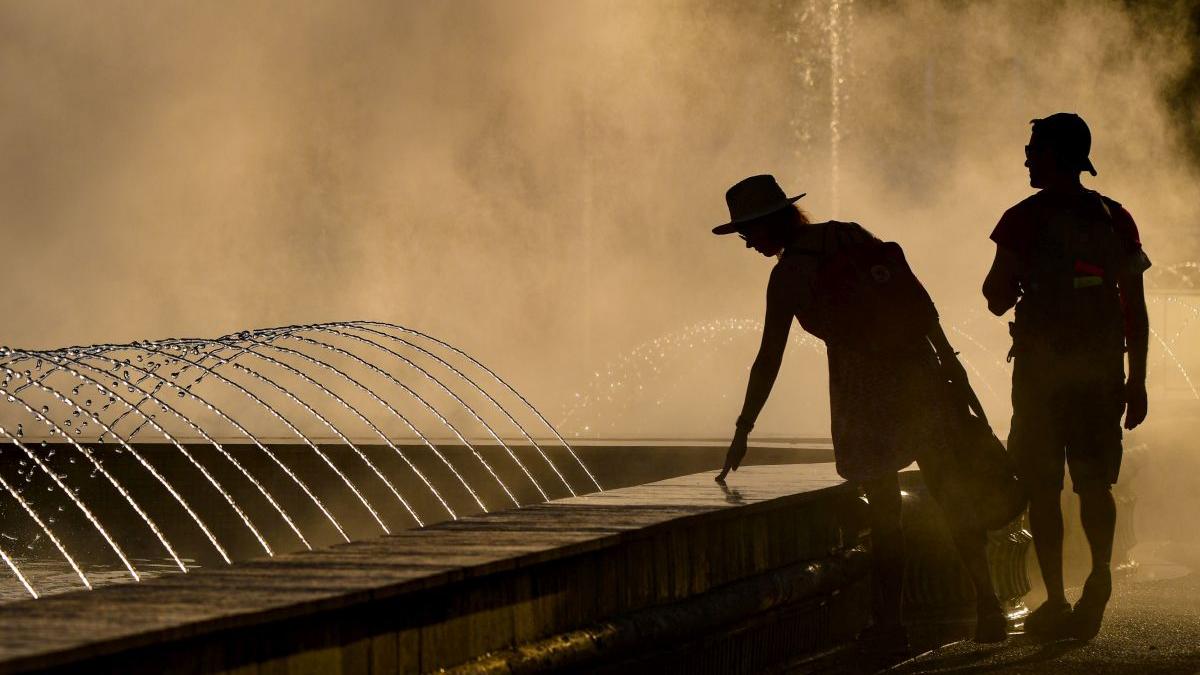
(1070, 260)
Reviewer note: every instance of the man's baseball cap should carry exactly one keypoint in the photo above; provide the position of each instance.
(1067, 135)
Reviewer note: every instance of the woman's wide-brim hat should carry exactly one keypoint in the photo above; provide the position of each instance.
(751, 199)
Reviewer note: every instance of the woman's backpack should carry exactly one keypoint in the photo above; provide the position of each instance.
(865, 295)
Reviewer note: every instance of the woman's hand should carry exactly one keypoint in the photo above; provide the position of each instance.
(733, 458)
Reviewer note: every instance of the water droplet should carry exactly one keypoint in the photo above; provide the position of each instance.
(45, 409)
(88, 403)
(180, 393)
(20, 431)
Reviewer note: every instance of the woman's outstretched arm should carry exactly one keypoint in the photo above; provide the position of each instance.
(781, 296)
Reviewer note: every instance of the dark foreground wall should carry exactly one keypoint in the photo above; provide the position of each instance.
(632, 575)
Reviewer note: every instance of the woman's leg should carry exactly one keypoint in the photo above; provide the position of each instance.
(991, 625)
(972, 548)
(887, 549)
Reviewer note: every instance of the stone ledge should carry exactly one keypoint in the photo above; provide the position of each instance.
(436, 597)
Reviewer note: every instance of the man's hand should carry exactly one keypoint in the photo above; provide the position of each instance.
(733, 458)
(1135, 402)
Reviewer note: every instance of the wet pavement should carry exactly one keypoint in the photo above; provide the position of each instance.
(1152, 626)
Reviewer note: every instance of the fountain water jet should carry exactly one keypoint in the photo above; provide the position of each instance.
(145, 463)
(151, 370)
(204, 472)
(79, 504)
(461, 375)
(499, 380)
(17, 572)
(253, 397)
(453, 428)
(46, 529)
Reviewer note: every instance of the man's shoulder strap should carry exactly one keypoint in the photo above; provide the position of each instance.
(1108, 205)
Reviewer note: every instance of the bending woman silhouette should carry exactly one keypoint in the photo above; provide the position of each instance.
(885, 407)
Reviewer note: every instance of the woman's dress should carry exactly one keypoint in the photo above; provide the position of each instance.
(886, 409)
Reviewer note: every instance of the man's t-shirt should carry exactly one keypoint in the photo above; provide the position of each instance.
(1017, 227)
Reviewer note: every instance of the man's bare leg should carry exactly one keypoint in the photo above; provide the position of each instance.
(1098, 515)
(1050, 621)
(1046, 524)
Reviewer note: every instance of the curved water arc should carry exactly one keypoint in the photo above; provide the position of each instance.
(347, 406)
(428, 406)
(145, 463)
(17, 571)
(326, 329)
(75, 499)
(262, 489)
(454, 429)
(263, 378)
(171, 438)
(45, 528)
(299, 434)
(408, 423)
(499, 379)
(254, 439)
(151, 347)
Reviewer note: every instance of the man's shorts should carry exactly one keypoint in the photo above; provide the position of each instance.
(1072, 413)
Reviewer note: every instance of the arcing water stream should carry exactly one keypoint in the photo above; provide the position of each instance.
(275, 439)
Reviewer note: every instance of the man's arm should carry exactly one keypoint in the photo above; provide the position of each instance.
(1137, 327)
(780, 311)
(1002, 287)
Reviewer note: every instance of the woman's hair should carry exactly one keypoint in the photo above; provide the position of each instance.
(801, 216)
(791, 215)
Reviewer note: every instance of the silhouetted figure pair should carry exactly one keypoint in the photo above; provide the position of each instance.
(1071, 262)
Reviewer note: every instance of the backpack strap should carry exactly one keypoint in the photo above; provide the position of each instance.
(822, 252)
